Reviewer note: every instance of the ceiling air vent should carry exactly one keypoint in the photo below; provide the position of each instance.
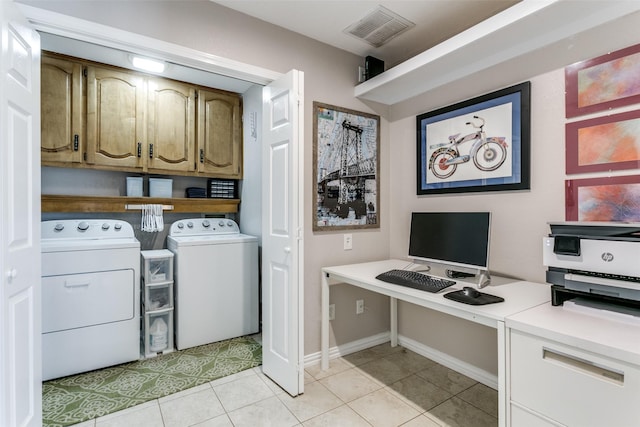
(378, 27)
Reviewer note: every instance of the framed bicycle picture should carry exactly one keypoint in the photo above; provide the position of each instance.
(481, 144)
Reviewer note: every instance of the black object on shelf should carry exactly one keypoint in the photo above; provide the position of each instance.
(196, 193)
(372, 67)
(222, 188)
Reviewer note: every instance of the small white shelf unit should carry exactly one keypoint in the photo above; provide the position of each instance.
(157, 302)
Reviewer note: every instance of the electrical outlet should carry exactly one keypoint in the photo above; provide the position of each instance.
(348, 242)
(332, 311)
(360, 306)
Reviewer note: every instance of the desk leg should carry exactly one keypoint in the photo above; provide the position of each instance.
(502, 374)
(393, 310)
(324, 332)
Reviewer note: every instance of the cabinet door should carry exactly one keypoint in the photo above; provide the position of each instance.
(115, 118)
(219, 134)
(171, 125)
(61, 111)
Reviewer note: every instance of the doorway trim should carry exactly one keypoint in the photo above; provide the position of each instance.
(79, 29)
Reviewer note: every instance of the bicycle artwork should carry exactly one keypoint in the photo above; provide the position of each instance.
(476, 145)
(487, 153)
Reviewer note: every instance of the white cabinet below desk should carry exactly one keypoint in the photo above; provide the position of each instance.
(569, 380)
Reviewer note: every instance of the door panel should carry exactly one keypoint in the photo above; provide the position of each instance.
(115, 118)
(171, 131)
(219, 134)
(62, 115)
(20, 358)
(282, 226)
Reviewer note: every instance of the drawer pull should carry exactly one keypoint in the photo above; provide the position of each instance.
(584, 366)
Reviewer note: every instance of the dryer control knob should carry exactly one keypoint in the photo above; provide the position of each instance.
(180, 225)
(83, 226)
(229, 224)
(190, 224)
(206, 223)
(59, 227)
(221, 223)
(105, 226)
(117, 226)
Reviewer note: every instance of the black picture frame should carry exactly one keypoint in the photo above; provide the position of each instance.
(346, 169)
(481, 144)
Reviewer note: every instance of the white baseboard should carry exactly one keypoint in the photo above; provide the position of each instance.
(348, 348)
(480, 375)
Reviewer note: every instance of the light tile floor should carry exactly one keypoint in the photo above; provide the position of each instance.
(379, 386)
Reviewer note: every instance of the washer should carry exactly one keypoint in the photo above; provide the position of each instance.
(216, 281)
(90, 295)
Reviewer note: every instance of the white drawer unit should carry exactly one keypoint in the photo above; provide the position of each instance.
(556, 384)
(157, 302)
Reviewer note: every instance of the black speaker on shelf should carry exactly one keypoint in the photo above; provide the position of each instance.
(372, 67)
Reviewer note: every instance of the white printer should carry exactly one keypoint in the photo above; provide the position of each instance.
(593, 260)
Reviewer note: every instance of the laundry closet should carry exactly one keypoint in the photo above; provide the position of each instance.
(124, 171)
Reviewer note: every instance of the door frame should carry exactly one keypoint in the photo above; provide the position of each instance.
(78, 29)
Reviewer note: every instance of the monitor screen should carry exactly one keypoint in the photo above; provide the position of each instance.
(453, 238)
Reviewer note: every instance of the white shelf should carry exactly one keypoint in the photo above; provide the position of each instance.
(530, 38)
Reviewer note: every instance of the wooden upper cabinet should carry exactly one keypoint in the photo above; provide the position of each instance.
(62, 112)
(219, 134)
(171, 125)
(116, 107)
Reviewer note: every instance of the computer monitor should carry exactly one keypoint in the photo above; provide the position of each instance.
(459, 240)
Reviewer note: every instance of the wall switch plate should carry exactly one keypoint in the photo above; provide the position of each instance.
(360, 306)
(348, 242)
(332, 311)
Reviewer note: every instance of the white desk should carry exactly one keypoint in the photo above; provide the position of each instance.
(518, 295)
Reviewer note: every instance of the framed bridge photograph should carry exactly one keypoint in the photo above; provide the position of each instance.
(481, 144)
(346, 168)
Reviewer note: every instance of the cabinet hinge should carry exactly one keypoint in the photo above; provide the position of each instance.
(84, 156)
(84, 71)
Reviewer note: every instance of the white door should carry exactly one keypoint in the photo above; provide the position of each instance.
(20, 358)
(282, 221)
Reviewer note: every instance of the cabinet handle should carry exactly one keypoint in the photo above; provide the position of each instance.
(151, 151)
(76, 142)
(202, 155)
(139, 149)
(584, 366)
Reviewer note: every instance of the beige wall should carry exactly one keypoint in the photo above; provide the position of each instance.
(519, 218)
(330, 76)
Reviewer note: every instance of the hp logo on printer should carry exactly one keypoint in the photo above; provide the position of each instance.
(607, 257)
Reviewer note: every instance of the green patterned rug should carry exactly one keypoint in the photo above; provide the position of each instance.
(74, 399)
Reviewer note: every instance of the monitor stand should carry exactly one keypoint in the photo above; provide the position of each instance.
(484, 278)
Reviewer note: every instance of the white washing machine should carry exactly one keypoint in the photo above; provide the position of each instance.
(216, 281)
(90, 295)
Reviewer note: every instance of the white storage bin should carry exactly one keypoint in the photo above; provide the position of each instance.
(157, 266)
(158, 297)
(158, 332)
(134, 186)
(160, 187)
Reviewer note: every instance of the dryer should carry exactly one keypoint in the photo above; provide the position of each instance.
(216, 281)
(90, 295)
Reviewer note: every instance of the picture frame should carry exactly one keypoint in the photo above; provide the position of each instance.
(456, 154)
(346, 169)
(602, 83)
(611, 199)
(619, 133)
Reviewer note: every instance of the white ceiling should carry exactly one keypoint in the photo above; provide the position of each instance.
(325, 20)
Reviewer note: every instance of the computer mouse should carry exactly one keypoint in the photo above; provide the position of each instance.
(470, 292)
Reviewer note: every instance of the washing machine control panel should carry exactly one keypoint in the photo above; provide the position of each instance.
(199, 226)
(86, 229)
